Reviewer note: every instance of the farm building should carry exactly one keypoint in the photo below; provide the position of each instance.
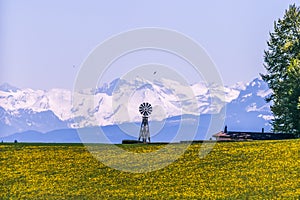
(244, 135)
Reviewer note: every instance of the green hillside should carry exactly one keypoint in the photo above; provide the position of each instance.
(235, 170)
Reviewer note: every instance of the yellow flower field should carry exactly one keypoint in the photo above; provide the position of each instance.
(234, 170)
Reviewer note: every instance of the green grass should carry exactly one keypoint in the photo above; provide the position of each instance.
(235, 170)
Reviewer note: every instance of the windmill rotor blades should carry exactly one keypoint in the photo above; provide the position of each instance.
(145, 109)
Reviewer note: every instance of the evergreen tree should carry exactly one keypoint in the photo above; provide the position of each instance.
(282, 62)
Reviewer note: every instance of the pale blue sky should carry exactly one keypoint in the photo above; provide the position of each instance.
(41, 41)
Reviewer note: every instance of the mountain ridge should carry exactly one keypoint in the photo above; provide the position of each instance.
(41, 110)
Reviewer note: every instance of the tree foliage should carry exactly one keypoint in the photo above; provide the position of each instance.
(282, 62)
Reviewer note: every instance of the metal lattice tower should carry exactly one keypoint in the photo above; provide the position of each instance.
(145, 109)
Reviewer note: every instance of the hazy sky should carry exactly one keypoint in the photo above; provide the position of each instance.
(43, 43)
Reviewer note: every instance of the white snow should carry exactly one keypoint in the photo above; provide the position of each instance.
(264, 93)
(253, 108)
(266, 117)
(247, 95)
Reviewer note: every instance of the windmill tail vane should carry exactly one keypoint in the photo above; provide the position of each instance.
(145, 109)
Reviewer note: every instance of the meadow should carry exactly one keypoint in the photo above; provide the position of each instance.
(234, 170)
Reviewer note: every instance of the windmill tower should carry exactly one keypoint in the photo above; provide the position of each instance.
(145, 109)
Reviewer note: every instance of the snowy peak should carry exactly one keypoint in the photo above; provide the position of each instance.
(256, 87)
(108, 88)
(252, 98)
(5, 87)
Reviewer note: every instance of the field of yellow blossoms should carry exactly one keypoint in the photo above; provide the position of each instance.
(234, 170)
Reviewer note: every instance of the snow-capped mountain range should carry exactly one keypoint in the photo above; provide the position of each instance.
(117, 102)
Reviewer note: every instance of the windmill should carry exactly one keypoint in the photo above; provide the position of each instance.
(145, 109)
